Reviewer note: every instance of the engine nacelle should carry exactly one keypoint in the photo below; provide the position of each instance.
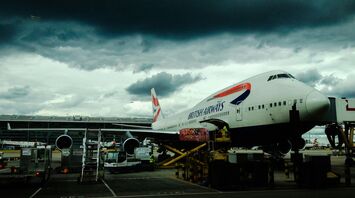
(63, 142)
(298, 144)
(284, 147)
(130, 144)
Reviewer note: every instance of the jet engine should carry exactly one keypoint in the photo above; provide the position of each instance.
(63, 142)
(279, 149)
(284, 147)
(130, 143)
(298, 143)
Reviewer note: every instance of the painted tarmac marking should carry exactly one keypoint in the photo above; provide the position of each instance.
(139, 178)
(171, 194)
(227, 193)
(108, 187)
(35, 193)
(193, 184)
(3, 170)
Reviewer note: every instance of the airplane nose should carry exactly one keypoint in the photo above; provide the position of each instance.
(317, 103)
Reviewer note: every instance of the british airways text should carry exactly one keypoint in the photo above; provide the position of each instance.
(205, 111)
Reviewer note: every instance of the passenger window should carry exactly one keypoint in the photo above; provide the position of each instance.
(275, 104)
(284, 103)
(295, 101)
(270, 104)
(259, 107)
(252, 108)
(279, 103)
(262, 106)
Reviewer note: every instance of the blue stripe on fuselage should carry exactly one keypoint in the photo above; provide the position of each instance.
(241, 98)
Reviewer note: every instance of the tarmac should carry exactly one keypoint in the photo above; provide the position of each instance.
(164, 183)
(159, 183)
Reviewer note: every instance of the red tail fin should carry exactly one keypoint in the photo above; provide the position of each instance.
(156, 106)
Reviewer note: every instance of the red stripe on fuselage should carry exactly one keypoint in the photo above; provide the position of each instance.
(233, 90)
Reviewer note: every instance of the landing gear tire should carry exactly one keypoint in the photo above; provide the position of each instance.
(298, 144)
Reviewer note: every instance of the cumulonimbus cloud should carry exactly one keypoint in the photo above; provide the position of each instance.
(185, 18)
(164, 83)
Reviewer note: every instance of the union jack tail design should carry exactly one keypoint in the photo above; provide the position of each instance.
(157, 114)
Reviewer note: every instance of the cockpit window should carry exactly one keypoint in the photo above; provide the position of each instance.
(291, 76)
(280, 76)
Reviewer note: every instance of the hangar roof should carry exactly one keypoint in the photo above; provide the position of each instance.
(76, 118)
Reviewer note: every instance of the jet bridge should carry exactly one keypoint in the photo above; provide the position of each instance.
(342, 110)
(340, 122)
(340, 125)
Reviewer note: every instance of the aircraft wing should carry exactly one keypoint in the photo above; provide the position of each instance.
(132, 125)
(21, 143)
(142, 131)
(147, 131)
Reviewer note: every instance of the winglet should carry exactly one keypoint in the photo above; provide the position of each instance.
(8, 126)
(157, 114)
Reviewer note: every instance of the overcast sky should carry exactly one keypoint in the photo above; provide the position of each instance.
(100, 58)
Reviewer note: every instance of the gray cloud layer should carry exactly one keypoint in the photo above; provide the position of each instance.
(186, 18)
(143, 68)
(311, 77)
(163, 82)
(143, 35)
(331, 85)
(15, 93)
(229, 38)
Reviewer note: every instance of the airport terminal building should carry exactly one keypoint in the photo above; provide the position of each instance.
(23, 121)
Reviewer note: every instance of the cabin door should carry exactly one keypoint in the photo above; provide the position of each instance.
(239, 112)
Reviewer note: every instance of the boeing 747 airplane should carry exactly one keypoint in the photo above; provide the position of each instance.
(255, 111)
(269, 109)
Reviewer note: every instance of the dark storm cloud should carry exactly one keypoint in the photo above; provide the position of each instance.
(7, 33)
(331, 85)
(15, 93)
(164, 83)
(338, 87)
(330, 80)
(149, 34)
(311, 77)
(347, 93)
(50, 35)
(73, 43)
(143, 68)
(185, 18)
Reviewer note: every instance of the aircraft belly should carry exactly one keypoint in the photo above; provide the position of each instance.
(265, 134)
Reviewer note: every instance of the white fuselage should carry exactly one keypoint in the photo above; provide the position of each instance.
(267, 101)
